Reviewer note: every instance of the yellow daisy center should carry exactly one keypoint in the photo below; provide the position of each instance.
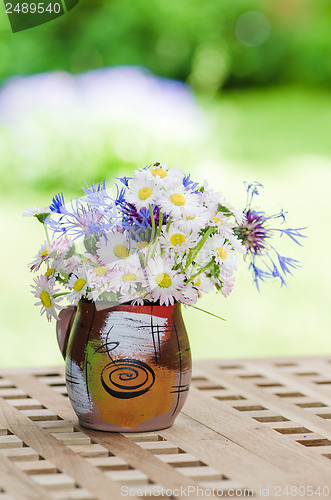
(44, 252)
(178, 199)
(177, 239)
(144, 193)
(49, 272)
(142, 244)
(79, 284)
(129, 277)
(198, 282)
(100, 271)
(159, 171)
(190, 218)
(45, 299)
(221, 252)
(121, 251)
(163, 280)
(215, 219)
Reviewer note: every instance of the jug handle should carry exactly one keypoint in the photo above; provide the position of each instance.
(63, 327)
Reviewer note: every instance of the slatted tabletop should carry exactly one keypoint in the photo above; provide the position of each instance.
(250, 428)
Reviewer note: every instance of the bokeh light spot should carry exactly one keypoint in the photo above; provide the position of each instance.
(253, 28)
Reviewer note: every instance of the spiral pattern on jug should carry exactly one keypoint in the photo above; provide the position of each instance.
(127, 378)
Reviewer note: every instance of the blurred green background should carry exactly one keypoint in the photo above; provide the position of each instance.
(232, 91)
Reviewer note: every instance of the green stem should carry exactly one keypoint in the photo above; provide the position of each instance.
(152, 234)
(207, 312)
(160, 223)
(197, 249)
(207, 266)
(46, 232)
(158, 233)
(60, 294)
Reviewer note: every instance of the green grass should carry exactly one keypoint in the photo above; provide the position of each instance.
(277, 136)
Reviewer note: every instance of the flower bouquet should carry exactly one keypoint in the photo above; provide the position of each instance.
(125, 261)
(163, 238)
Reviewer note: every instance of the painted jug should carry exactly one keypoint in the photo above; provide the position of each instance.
(128, 368)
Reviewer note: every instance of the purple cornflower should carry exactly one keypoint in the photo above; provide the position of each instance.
(140, 219)
(255, 234)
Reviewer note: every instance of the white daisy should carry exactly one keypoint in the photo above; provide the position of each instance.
(78, 284)
(163, 283)
(226, 280)
(56, 249)
(139, 249)
(139, 245)
(43, 255)
(194, 222)
(54, 268)
(142, 191)
(115, 246)
(136, 298)
(222, 223)
(221, 250)
(167, 178)
(236, 244)
(98, 279)
(239, 214)
(178, 203)
(189, 294)
(70, 264)
(177, 240)
(201, 282)
(36, 211)
(210, 200)
(99, 294)
(127, 275)
(44, 290)
(62, 246)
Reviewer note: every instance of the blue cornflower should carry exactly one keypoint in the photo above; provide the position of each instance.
(96, 195)
(58, 204)
(120, 198)
(124, 180)
(189, 184)
(255, 234)
(82, 221)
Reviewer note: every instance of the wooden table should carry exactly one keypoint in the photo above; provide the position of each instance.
(249, 427)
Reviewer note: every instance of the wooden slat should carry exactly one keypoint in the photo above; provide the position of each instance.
(71, 464)
(37, 467)
(54, 481)
(247, 424)
(17, 483)
(236, 461)
(10, 442)
(108, 463)
(272, 402)
(91, 450)
(43, 414)
(20, 454)
(128, 450)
